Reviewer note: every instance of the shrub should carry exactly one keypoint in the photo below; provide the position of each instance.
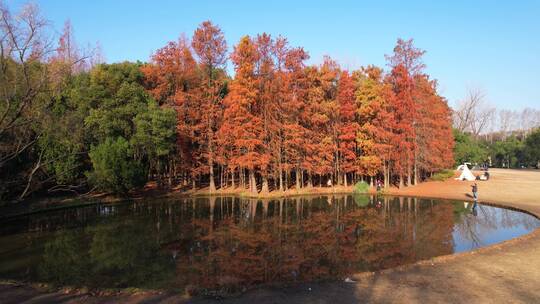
(442, 175)
(361, 187)
(114, 168)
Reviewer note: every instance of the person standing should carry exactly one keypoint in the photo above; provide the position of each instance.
(475, 191)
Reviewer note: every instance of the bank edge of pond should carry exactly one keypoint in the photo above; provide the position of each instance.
(450, 257)
(77, 202)
(104, 198)
(470, 200)
(72, 290)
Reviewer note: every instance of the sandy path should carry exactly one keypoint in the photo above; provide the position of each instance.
(503, 273)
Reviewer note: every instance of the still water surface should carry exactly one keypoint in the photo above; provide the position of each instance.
(231, 244)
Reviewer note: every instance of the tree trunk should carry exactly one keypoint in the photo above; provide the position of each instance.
(415, 173)
(264, 188)
(242, 179)
(212, 186)
(345, 179)
(170, 166)
(386, 170)
(280, 178)
(400, 181)
(287, 173)
(409, 175)
(252, 182)
(232, 179)
(298, 179)
(31, 176)
(310, 180)
(221, 177)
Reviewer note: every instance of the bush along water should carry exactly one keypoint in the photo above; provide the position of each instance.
(361, 187)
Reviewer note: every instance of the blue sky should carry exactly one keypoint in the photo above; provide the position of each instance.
(483, 44)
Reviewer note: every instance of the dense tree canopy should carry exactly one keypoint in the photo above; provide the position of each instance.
(532, 149)
(467, 149)
(180, 120)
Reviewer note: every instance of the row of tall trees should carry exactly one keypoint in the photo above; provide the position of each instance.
(71, 123)
(280, 123)
(518, 150)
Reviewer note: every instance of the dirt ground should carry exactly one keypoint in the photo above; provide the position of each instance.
(504, 273)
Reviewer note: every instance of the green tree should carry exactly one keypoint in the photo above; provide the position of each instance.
(116, 97)
(155, 137)
(532, 148)
(507, 153)
(63, 142)
(114, 168)
(467, 149)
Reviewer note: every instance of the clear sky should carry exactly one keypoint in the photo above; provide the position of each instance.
(492, 45)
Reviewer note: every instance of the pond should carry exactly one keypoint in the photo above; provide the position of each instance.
(231, 244)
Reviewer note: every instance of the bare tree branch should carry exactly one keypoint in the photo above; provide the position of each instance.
(473, 114)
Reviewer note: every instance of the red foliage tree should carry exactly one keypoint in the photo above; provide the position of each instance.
(433, 128)
(348, 127)
(241, 122)
(295, 148)
(173, 79)
(282, 122)
(375, 116)
(403, 108)
(209, 44)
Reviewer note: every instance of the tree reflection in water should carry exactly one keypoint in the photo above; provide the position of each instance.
(231, 243)
(115, 254)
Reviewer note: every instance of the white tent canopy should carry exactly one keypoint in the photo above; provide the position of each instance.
(460, 167)
(466, 174)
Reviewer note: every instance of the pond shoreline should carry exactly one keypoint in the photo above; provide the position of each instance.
(42, 205)
(453, 270)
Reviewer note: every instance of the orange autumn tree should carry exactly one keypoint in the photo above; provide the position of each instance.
(209, 45)
(174, 80)
(268, 106)
(348, 127)
(425, 129)
(406, 63)
(67, 59)
(295, 112)
(321, 121)
(433, 128)
(280, 49)
(403, 109)
(68, 51)
(374, 114)
(240, 120)
(279, 123)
